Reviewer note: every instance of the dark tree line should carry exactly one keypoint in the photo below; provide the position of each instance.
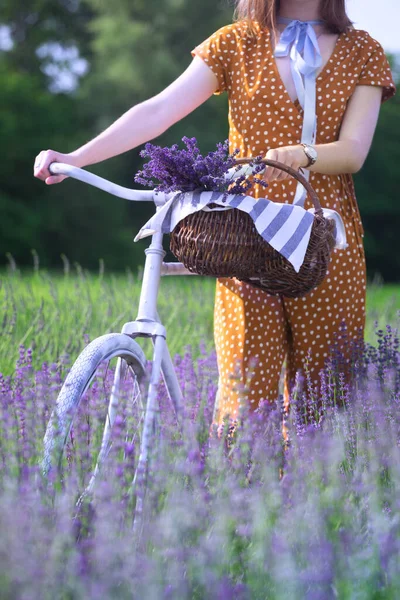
(131, 49)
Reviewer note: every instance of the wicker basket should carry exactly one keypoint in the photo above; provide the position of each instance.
(227, 244)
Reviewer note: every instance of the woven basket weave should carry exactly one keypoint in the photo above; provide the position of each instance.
(227, 244)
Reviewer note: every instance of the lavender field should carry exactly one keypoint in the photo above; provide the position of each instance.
(315, 518)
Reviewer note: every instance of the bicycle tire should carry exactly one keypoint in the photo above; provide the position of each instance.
(78, 381)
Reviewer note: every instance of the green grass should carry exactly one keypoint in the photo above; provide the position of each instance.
(383, 308)
(55, 313)
(318, 520)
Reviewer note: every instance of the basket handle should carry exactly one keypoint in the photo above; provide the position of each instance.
(298, 176)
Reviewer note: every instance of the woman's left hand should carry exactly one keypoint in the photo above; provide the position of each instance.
(291, 156)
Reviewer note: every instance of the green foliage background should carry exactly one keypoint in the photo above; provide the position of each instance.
(133, 50)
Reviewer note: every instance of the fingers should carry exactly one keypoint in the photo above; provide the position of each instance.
(288, 155)
(41, 167)
(282, 175)
(37, 165)
(271, 173)
(54, 179)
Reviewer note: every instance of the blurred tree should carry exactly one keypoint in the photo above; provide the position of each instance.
(33, 25)
(69, 218)
(377, 187)
(138, 49)
(132, 49)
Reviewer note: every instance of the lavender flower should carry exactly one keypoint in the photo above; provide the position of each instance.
(173, 169)
(316, 518)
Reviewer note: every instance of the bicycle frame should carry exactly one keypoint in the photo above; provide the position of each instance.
(146, 325)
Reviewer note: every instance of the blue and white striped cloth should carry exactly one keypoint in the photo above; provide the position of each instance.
(285, 226)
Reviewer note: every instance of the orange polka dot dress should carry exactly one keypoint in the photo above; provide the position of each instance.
(255, 332)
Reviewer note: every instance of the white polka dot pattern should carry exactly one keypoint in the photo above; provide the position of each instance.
(261, 113)
(254, 332)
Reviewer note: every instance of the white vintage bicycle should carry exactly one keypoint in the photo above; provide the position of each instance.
(131, 362)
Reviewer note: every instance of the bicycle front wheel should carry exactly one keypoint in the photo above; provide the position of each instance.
(110, 377)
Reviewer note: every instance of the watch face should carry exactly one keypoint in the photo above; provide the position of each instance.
(312, 153)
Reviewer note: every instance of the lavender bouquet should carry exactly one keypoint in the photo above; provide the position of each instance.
(172, 169)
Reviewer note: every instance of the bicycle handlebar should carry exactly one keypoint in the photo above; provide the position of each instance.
(56, 168)
(103, 184)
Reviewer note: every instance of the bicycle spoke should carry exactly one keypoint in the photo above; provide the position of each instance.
(87, 448)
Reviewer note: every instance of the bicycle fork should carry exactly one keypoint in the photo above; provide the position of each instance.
(148, 324)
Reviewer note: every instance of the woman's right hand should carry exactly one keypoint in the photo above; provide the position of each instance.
(45, 158)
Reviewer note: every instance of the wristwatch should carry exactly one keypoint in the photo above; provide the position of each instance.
(311, 154)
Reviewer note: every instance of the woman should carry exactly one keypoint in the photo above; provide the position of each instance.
(318, 115)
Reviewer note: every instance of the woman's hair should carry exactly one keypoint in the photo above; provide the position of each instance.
(333, 13)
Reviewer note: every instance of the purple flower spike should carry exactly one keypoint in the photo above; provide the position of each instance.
(173, 169)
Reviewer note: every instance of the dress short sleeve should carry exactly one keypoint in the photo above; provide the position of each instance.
(376, 70)
(217, 52)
